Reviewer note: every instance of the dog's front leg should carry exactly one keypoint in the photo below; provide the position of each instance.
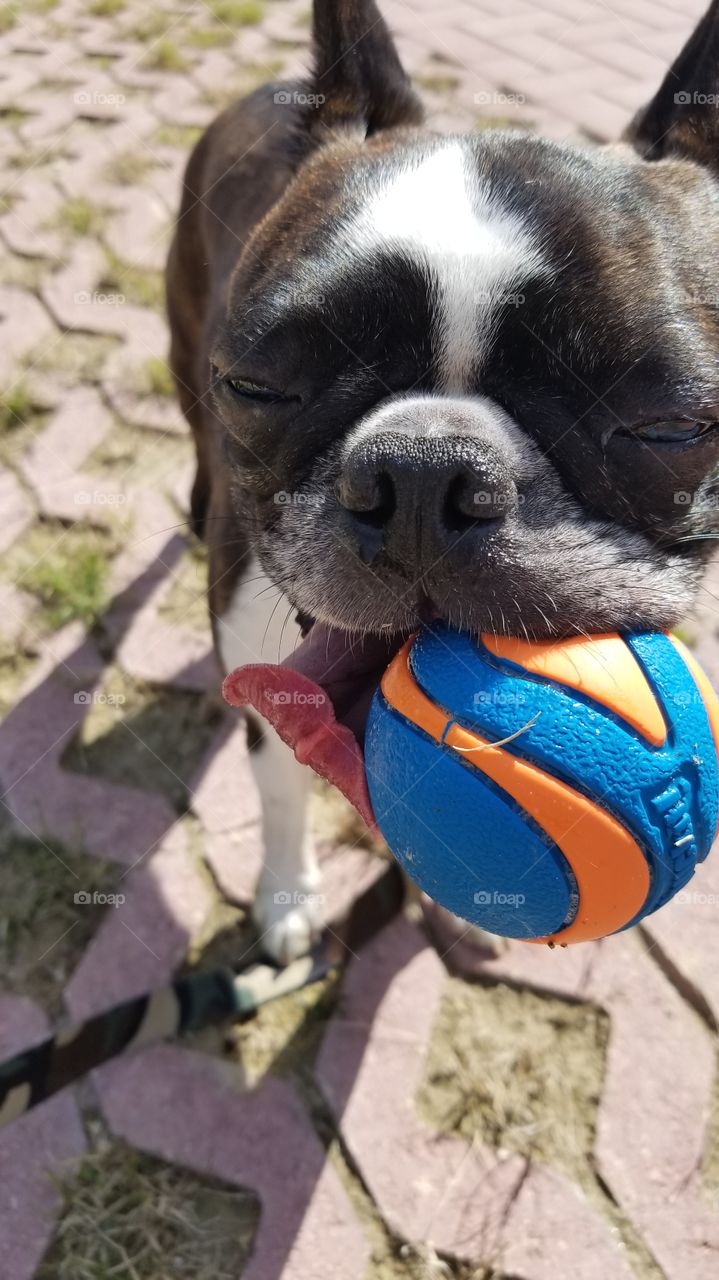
(256, 628)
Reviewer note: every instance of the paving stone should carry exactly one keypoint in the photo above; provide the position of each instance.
(17, 510)
(24, 325)
(142, 941)
(33, 1150)
(466, 1200)
(261, 1140)
(651, 1134)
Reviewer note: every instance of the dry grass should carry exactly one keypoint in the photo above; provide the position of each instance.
(143, 737)
(43, 932)
(132, 1217)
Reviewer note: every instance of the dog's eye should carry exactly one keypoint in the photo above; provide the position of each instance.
(674, 432)
(252, 390)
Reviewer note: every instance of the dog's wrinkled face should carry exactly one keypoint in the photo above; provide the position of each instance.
(477, 377)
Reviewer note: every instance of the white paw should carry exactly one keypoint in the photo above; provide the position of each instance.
(289, 923)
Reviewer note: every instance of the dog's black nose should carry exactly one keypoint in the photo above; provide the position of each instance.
(415, 497)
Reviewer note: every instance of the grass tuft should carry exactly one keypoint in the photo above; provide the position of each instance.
(130, 1215)
(165, 56)
(67, 571)
(81, 217)
(238, 13)
(16, 407)
(105, 8)
(158, 378)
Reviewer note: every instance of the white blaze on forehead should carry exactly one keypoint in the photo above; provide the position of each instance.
(439, 214)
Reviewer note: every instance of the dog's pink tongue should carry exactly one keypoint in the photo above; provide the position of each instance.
(318, 700)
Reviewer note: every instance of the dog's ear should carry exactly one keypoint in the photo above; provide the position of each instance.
(683, 119)
(358, 78)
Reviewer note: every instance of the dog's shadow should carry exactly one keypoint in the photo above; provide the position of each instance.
(125, 824)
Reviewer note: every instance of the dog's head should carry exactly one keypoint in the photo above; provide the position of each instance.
(477, 377)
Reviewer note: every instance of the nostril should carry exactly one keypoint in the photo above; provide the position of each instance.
(471, 501)
(370, 496)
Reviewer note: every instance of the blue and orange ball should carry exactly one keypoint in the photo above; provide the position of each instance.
(554, 791)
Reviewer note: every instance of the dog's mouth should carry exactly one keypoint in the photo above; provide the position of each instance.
(318, 700)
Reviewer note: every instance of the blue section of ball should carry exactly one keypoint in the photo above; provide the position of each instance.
(499, 871)
(651, 790)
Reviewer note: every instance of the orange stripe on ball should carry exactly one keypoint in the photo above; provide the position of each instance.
(610, 869)
(605, 670)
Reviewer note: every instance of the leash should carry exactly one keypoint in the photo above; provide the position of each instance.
(199, 1000)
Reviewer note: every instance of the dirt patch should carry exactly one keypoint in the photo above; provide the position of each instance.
(129, 1215)
(144, 737)
(43, 930)
(516, 1071)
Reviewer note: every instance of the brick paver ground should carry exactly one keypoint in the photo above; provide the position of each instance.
(118, 769)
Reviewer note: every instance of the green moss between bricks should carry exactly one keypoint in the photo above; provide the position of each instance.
(73, 357)
(66, 569)
(157, 377)
(105, 8)
(130, 1216)
(139, 285)
(238, 13)
(164, 55)
(80, 217)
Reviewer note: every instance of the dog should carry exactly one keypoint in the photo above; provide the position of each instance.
(472, 377)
